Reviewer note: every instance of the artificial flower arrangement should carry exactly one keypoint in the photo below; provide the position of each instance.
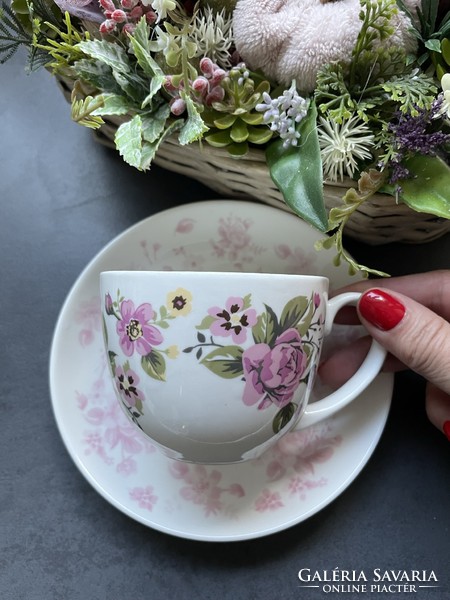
(354, 90)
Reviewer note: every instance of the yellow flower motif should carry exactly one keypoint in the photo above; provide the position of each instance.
(179, 302)
(172, 351)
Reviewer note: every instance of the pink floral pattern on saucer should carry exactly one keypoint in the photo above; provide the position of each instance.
(232, 502)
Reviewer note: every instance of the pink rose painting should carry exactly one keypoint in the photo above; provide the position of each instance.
(271, 354)
(274, 374)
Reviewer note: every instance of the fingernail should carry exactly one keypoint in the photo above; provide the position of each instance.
(446, 429)
(381, 309)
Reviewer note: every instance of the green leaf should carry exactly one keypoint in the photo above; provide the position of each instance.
(238, 150)
(433, 45)
(225, 121)
(239, 132)
(113, 104)
(428, 191)
(140, 44)
(128, 141)
(219, 139)
(154, 365)
(149, 150)
(283, 417)
(153, 125)
(259, 135)
(297, 172)
(293, 312)
(83, 111)
(97, 74)
(226, 362)
(109, 53)
(194, 127)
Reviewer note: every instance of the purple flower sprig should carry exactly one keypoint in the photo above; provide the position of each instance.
(416, 135)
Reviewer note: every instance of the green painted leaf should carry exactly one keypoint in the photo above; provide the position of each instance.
(109, 53)
(297, 172)
(303, 327)
(113, 104)
(293, 312)
(112, 361)
(272, 327)
(128, 141)
(194, 127)
(429, 190)
(259, 330)
(154, 365)
(247, 301)
(226, 362)
(206, 323)
(283, 417)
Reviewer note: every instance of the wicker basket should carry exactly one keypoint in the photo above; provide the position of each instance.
(378, 221)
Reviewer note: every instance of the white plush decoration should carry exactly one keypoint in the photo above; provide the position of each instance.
(292, 39)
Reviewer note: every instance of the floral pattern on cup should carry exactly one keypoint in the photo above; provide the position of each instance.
(276, 363)
(139, 329)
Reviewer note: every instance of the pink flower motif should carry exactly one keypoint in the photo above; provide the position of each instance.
(268, 501)
(134, 330)
(127, 466)
(233, 320)
(145, 497)
(274, 374)
(202, 488)
(316, 300)
(126, 383)
(88, 316)
(185, 225)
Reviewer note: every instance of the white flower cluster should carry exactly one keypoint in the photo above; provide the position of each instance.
(283, 113)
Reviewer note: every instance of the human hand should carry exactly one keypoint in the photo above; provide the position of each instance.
(410, 317)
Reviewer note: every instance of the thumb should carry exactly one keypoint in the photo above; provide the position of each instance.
(413, 333)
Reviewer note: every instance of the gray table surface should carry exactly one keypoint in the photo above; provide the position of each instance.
(62, 198)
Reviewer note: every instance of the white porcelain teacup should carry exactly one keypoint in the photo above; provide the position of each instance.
(216, 367)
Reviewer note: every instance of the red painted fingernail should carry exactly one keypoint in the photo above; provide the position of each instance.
(381, 309)
(446, 429)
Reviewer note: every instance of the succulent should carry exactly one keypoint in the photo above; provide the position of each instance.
(234, 122)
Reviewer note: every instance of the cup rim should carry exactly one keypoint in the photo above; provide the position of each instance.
(209, 274)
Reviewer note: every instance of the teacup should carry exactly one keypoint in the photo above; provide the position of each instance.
(216, 367)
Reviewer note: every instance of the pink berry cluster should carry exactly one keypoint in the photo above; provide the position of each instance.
(124, 16)
(207, 87)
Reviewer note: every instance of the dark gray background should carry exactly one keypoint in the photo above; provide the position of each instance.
(62, 198)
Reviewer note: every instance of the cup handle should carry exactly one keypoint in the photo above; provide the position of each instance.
(324, 408)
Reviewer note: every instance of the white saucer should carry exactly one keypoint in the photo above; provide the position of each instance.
(233, 502)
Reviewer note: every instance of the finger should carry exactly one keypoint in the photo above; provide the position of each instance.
(414, 334)
(430, 289)
(438, 408)
(344, 363)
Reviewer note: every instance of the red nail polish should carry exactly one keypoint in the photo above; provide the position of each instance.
(381, 309)
(446, 429)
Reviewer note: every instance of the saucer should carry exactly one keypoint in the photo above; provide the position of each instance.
(303, 474)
